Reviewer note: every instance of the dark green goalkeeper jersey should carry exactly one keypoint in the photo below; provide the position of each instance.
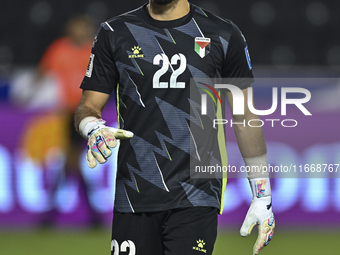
(154, 68)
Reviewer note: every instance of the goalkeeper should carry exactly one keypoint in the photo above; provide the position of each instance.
(148, 57)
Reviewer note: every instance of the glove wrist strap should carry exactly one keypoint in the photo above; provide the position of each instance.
(260, 187)
(88, 124)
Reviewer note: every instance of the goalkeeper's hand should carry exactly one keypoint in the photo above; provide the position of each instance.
(260, 213)
(100, 140)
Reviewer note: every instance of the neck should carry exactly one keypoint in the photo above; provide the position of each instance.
(175, 10)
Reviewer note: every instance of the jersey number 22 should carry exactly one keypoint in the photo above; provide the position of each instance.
(157, 84)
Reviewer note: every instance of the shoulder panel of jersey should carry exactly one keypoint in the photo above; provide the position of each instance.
(102, 74)
(237, 65)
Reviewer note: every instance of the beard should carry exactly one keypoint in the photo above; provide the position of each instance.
(162, 2)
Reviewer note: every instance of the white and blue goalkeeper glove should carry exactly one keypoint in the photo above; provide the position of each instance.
(260, 213)
(100, 139)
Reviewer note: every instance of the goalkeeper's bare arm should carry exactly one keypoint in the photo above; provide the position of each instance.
(253, 149)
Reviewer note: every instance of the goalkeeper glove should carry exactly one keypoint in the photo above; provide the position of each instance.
(260, 213)
(100, 139)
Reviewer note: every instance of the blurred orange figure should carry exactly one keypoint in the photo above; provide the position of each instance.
(67, 58)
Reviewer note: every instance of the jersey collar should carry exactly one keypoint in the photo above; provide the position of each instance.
(166, 24)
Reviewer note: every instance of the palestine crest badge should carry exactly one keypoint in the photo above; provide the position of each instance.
(202, 46)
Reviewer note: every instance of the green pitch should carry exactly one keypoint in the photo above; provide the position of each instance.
(97, 242)
(299, 242)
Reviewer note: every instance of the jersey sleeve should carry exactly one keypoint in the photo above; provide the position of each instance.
(101, 74)
(237, 68)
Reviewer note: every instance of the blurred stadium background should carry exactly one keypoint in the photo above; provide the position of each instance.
(298, 40)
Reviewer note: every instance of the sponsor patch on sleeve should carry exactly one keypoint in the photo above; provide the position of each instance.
(248, 58)
(90, 67)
